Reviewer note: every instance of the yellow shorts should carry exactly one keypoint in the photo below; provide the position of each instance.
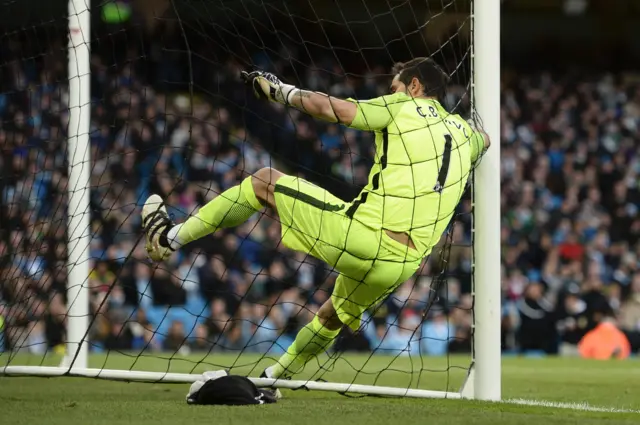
(370, 263)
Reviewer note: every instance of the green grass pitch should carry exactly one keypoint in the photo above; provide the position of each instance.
(65, 401)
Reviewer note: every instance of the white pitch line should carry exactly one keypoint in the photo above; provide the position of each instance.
(585, 407)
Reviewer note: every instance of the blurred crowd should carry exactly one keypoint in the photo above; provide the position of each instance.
(570, 197)
(570, 202)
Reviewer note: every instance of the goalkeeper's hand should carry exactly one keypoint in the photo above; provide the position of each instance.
(266, 85)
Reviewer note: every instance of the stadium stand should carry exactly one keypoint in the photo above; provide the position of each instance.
(571, 193)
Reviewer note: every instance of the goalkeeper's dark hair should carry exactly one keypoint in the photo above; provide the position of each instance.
(428, 73)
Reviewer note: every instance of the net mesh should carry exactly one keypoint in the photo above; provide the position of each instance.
(170, 115)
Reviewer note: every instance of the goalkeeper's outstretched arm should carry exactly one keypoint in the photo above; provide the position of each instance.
(319, 105)
(322, 106)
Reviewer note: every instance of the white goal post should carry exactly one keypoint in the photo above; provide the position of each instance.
(486, 217)
(79, 148)
(484, 379)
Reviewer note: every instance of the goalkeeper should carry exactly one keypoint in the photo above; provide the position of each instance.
(423, 159)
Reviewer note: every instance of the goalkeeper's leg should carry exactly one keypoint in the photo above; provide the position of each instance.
(312, 340)
(371, 265)
(349, 300)
(231, 208)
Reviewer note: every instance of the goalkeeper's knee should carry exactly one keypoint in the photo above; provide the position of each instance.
(328, 316)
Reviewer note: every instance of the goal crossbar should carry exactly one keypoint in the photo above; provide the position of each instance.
(170, 377)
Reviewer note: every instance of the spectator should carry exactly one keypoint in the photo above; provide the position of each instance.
(176, 337)
(437, 334)
(630, 314)
(402, 338)
(201, 340)
(605, 342)
(536, 320)
(120, 337)
(630, 309)
(218, 320)
(573, 321)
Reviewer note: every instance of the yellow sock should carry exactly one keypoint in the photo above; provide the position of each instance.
(231, 208)
(312, 340)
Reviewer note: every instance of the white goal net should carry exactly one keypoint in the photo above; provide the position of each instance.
(108, 103)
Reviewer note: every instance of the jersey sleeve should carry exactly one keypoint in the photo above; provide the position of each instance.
(376, 114)
(477, 147)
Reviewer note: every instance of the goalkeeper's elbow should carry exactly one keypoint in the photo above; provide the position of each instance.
(340, 111)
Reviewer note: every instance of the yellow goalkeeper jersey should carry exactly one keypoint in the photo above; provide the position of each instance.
(423, 159)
